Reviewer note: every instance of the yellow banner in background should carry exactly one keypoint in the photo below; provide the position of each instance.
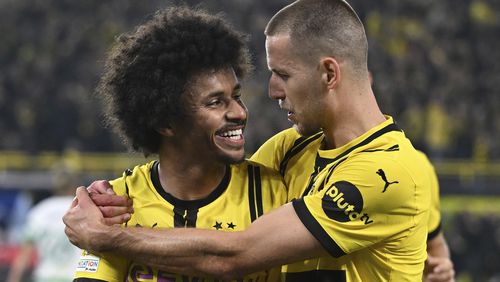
(481, 205)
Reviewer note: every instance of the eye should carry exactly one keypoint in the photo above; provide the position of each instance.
(237, 96)
(214, 102)
(283, 76)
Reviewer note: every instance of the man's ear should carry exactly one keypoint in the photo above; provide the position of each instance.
(331, 69)
(166, 131)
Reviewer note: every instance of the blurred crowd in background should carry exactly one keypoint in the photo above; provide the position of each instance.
(434, 64)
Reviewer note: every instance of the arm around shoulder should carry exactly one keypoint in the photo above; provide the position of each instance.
(274, 239)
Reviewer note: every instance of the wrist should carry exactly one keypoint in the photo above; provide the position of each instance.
(114, 235)
(102, 239)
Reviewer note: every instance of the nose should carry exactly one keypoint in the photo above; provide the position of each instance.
(237, 111)
(276, 90)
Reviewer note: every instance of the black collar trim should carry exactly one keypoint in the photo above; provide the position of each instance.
(186, 204)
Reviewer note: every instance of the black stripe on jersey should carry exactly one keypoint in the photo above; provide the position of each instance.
(194, 204)
(251, 192)
(322, 162)
(126, 173)
(329, 173)
(434, 232)
(390, 149)
(316, 230)
(319, 164)
(388, 128)
(179, 220)
(185, 218)
(298, 145)
(258, 191)
(191, 217)
(317, 276)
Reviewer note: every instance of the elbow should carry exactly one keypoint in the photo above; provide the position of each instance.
(232, 260)
(230, 270)
(228, 266)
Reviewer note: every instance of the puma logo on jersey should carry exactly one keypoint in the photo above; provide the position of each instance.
(387, 183)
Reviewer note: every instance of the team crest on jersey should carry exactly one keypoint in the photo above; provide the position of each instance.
(88, 263)
(343, 202)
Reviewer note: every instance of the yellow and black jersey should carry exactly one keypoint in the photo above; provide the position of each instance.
(247, 191)
(294, 157)
(367, 161)
(298, 160)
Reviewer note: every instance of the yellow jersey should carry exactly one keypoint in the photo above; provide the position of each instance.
(303, 165)
(247, 191)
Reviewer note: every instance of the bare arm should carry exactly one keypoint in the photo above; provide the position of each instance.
(274, 239)
(21, 263)
(438, 266)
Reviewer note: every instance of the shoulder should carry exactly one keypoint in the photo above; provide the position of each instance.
(249, 166)
(390, 162)
(256, 172)
(266, 183)
(404, 163)
(276, 146)
(386, 181)
(288, 135)
(139, 175)
(284, 146)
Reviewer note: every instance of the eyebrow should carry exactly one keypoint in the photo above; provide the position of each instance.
(236, 88)
(278, 71)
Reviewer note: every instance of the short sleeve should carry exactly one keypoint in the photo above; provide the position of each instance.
(107, 267)
(362, 202)
(434, 223)
(119, 185)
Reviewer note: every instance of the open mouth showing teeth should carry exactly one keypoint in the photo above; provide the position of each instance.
(232, 134)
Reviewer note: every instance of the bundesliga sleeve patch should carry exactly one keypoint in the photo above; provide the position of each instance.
(88, 263)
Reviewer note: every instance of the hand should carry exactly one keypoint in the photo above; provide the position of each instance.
(85, 225)
(439, 269)
(115, 209)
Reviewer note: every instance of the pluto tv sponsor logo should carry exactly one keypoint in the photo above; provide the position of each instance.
(343, 202)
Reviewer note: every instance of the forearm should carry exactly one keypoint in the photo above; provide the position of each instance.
(276, 238)
(187, 251)
(438, 266)
(20, 264)
(272, 240)
(438, 247)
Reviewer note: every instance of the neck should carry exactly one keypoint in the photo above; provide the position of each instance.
(353, 113)
(188, 178)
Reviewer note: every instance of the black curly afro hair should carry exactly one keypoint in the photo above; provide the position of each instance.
(149, 70)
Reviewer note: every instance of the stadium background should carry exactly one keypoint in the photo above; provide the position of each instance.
(435, 67)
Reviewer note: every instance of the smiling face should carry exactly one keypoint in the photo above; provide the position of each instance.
(295, 84)
(216, 118)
